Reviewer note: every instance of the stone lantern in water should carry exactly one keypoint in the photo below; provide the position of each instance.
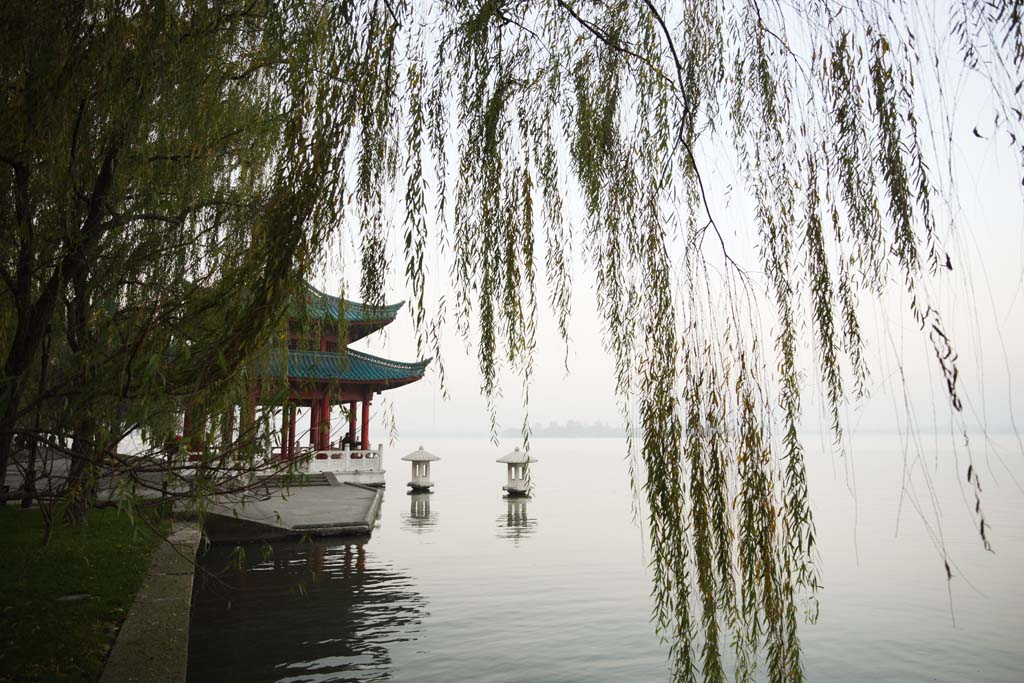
(518, 472)
(420, 460)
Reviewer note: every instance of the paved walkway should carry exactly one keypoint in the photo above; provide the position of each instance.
(51, 472)
(152, 644)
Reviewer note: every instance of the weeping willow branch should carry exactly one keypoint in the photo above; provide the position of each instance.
(819, 110)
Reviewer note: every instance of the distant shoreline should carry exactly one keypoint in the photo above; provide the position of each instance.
(517, 434)
(572, 430)
(505, 435)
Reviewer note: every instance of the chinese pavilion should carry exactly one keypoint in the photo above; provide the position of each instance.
(322, 373)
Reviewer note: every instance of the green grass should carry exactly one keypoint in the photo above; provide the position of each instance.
(43, 638)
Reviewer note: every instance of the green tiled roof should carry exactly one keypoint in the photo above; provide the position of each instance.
(353, 366)
(323, 306)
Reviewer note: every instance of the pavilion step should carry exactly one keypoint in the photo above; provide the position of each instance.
(281, 480)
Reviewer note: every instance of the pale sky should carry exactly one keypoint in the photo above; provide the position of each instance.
(987, 326)
(981, 302)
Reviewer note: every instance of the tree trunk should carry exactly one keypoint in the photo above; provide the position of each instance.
(82, 475)
(6, 443)
(30, 471)
(34, 316)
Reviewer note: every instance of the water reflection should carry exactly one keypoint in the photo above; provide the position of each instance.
(309, 611)
(419, 519)
(515, 523)
(572, 602)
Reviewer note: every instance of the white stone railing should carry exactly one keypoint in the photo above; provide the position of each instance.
(346, 460)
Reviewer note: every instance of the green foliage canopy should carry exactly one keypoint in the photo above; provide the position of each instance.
(168, 170)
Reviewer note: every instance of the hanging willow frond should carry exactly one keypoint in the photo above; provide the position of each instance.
(609, 109)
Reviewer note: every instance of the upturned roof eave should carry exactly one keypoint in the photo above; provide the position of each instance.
(355, 312)
(351, 367)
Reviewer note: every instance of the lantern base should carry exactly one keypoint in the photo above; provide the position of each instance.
(515, 492)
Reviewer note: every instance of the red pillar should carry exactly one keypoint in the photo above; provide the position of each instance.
(247, 424)
(284, 432)
(352, 421)
(291, 432)
(227, 428)
(318, 406)
(366, 423)
(315, 409)
(325, 421)
(186, 437)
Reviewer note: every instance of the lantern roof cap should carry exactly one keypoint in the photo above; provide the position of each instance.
(420, 455)
(517, 457)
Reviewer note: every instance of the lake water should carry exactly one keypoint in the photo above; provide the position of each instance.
(464, 585)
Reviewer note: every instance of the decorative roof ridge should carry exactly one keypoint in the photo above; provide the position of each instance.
(390, 309)
(369, 357)
(386, 361)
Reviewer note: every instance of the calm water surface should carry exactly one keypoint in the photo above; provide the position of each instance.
(463, 585)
